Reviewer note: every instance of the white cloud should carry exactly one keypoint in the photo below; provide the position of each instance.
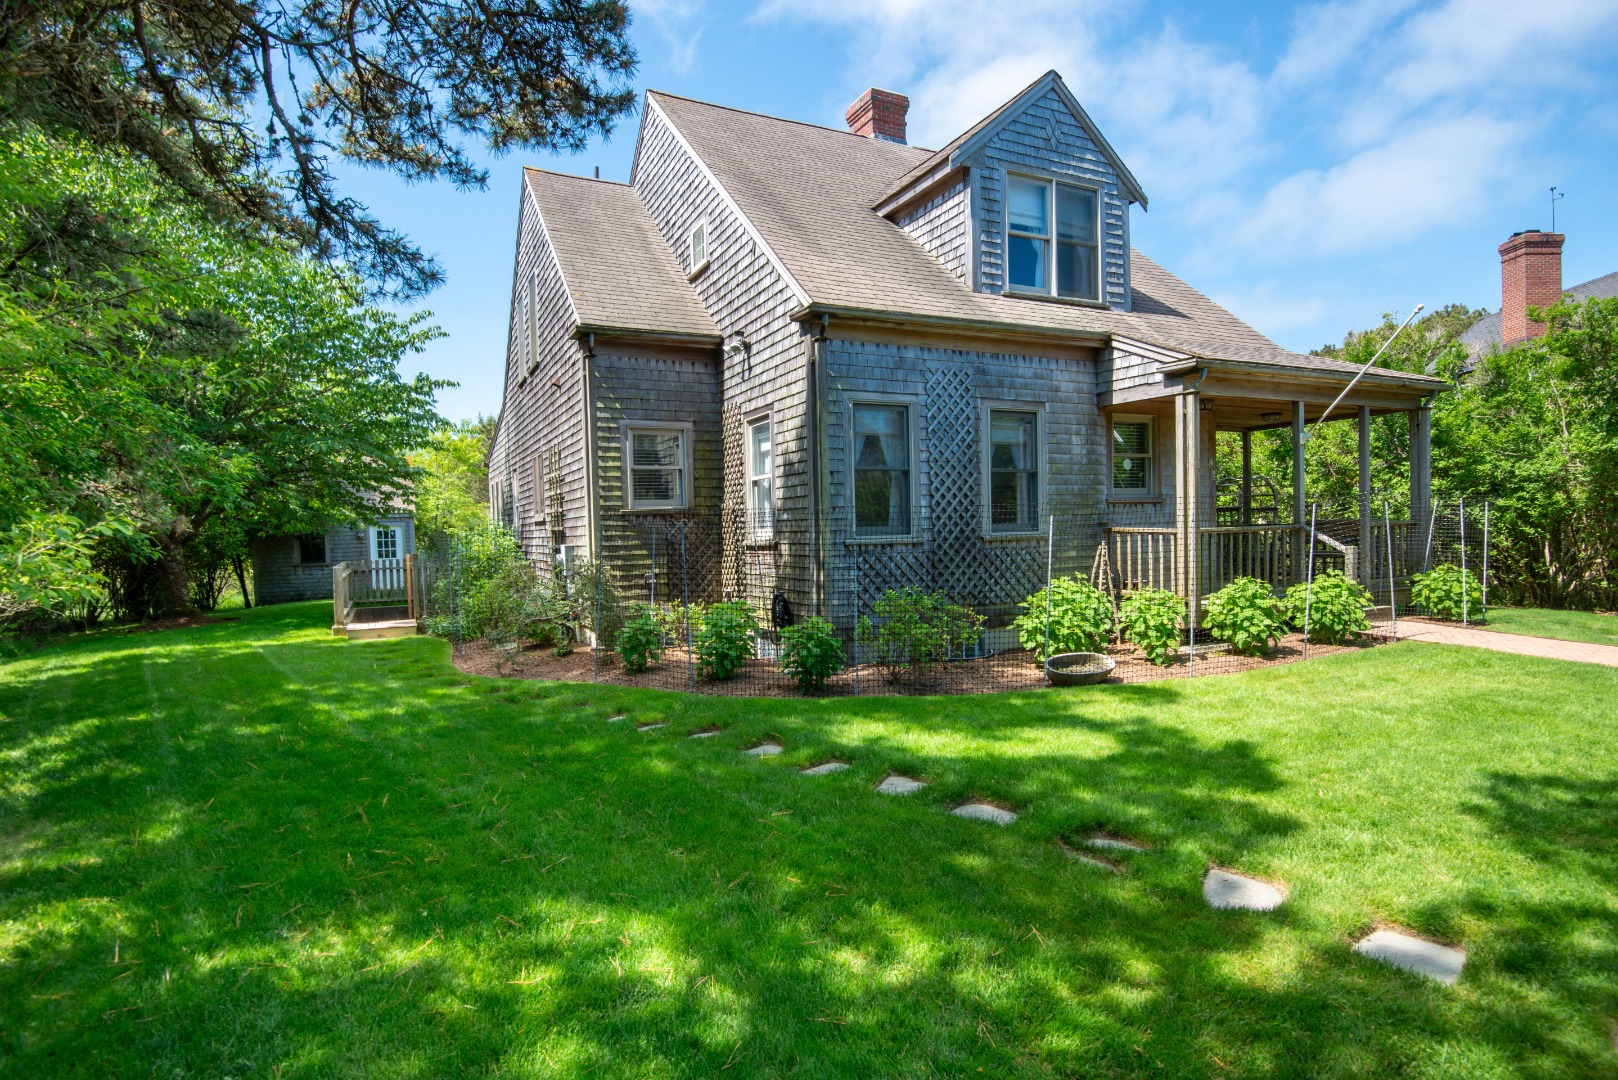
(677, 22)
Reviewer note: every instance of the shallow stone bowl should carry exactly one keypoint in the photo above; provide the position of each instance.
(1079, 668)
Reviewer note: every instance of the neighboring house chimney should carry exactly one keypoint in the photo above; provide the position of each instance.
(1530, 276)
(879, 114)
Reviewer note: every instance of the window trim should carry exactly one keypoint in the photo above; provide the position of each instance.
(398, 540)
(697, 267)
(1051, 240)
(1151, 493)
(986, 410)
(759, 533)
(684, 428)
(531, 332)
(912, 412)
(325, 549)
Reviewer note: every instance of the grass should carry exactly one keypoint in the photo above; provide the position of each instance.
(1587, 626)
(254, 850)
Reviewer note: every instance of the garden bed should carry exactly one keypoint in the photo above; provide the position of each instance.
(1014, 670)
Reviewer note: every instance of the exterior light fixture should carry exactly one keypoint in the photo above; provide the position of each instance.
(1270, 417)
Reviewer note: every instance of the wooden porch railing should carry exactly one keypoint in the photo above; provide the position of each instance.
(374, 583)
(1144, 558)
(1141, 558)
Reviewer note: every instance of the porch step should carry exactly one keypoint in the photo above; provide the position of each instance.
(372, 630)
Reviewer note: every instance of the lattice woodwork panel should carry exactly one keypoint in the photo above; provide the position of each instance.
(953, 463)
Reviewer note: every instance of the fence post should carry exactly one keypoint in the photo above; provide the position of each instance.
(685, 598)
(1485, 615)
(1464, 613)
(1309, 580)
(595, 646)
(1427, 555)
(854, 553)
(1050, 563)
(1393, 603)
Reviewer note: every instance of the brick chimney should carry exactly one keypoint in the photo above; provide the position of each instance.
(1530, 276)
(879, 114)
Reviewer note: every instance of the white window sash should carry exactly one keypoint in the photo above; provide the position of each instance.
(679, 471)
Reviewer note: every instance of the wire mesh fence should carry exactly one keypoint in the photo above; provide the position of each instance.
(924, 599)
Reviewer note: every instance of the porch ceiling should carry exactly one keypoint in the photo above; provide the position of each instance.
(1259, 414)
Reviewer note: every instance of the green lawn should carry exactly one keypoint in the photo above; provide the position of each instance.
(1566, 625)
(253, 850)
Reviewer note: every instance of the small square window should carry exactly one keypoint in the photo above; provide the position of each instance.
(311, 550)
(655, 467)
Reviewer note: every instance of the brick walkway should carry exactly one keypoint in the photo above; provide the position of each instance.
(1550, 648)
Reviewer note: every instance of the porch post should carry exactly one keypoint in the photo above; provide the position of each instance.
(1367, 564)
(1298, 509)
(1247, 477)
(1187, 445)
(1421, 474)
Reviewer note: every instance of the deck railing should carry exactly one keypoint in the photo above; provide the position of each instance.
(374, 583)
(1144, 558)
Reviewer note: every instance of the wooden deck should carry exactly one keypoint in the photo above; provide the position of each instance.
(375, 598)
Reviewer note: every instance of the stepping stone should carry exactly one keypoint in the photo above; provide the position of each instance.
(768, 749)
(899, 785)
(704, 735)
(650, 727)
(978, 811)
(615, 719)
(826, 768)
(1413, 954)
(1104, 842)
(1094, 860)
(1227, 891)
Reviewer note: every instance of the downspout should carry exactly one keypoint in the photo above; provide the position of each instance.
(592, 490)
(812, 423)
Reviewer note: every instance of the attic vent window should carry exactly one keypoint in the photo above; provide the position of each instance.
(1035, 258)
(699, 246)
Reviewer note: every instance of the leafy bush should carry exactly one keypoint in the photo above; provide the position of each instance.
(1336, 607)
(811, 653)
(640, 640)
(1245, 613)
(1152, 619)
(673, 620)
(596, 601)
(914, 630)
(1081, 619)
(726, 640)
(1439, 591)
(481, 554)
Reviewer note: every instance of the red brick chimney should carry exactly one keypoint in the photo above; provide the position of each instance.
(879, 114)
(1530, 276)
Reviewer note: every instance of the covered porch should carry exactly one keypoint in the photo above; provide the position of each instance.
(1193, 542)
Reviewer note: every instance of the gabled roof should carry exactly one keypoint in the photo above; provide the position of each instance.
(1486, 331)
(619, 273)
(973, 138)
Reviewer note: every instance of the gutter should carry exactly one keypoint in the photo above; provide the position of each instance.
(592, 522)
(945, 322)
(1381, 375)
(812, 422)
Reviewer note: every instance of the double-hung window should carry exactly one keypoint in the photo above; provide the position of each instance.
(1052, 238)
(882, 471)
(760, 473)
(1013, 470)
(311, 549)
(655, 461)
(1132, 456)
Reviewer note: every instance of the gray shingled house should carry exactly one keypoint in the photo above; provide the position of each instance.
(827, 362)
(287, 568)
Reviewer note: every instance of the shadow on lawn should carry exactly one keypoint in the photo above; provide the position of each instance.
(501, 881)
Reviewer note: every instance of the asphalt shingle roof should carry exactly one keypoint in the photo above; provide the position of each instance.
(1486, 331)
(619, 272)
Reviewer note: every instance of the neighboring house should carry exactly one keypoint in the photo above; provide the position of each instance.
(1530, 276)
(829, 345)
(287, 568)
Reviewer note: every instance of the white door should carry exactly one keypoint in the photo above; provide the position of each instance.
(384, 543)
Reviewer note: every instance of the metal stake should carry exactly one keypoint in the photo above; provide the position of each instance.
(1463, 562)
(1050, 562)
(685, 598)
(1393, 604)
(1309, 581)
(1485, 562)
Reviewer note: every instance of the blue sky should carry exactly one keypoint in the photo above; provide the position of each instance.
(1310, 166)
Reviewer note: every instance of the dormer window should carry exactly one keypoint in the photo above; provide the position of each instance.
(699, 246)
(1064, 264)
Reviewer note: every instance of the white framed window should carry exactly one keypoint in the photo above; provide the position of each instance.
(1052, 238)
(384, 542)
(761, 477)
(657, 466)
(1133, 473)
(699, 246)
(312, 550)
(884, 478)
(522, 331)
(531, 330)
(1013, 468)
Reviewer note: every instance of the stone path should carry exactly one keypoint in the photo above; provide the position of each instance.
(650, 727)
(825, 768)
(978, 811)
(769, 749)
(1414, 954)
(705, 734)
(1232, 892)
(899, 785)
(1520, 644)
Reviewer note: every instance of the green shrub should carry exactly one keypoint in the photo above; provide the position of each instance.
(1152, 619)
(726, 640)
(1245, 613)
(676, 620)
(811, 653)
(1439, 591)
(595, 599)
(1336, 607)
(1081, 619)
(640, 640)
(466, 600)
(914, 630)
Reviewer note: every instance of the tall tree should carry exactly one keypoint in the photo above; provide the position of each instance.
(241, 105)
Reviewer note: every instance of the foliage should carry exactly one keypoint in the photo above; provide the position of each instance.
(1246, 614)
(451, 492)
(467, 601)
(244, 107)
(914, 630)
(811, 652)
(1448, 592)
(46, 562)
(1335, 607)
(680, 623)
(1081, 619)
(598, 603)
(640, 641)
(726, 640)
(1153, 619)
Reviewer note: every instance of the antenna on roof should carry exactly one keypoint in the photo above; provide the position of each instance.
(1307, 435)
(1555, 198)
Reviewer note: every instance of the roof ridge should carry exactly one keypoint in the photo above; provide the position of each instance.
(576, 176)
(782, 119)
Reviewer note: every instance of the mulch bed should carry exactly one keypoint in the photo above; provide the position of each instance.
(763, 678)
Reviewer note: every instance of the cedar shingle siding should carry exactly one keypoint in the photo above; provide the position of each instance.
(280, 576)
